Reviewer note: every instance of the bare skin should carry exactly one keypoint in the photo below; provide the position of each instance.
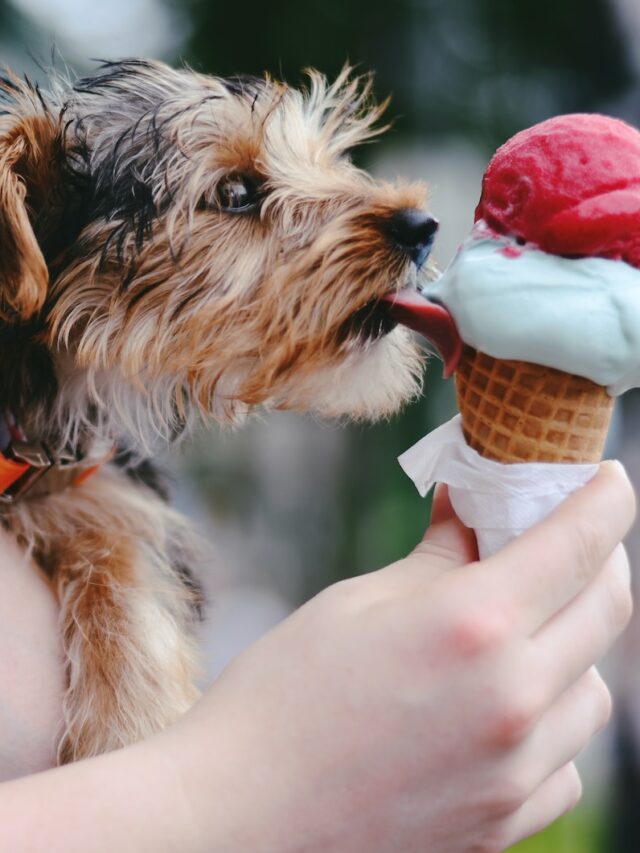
(436, 704)
(31, 676)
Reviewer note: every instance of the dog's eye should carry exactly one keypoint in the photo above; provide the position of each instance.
(237, 194)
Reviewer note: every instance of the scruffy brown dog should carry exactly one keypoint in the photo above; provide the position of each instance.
(175, 245)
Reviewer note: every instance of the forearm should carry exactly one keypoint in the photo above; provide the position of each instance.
(191, 789)
(129, 800)
(31, 665)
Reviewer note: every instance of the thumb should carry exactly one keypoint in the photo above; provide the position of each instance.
(441, 509)
(447, 537)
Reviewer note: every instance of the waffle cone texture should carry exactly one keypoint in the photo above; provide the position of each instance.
(514, 411)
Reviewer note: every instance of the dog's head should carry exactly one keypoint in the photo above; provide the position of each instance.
(207, 243)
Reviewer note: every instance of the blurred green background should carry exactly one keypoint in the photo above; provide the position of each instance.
(292, 504)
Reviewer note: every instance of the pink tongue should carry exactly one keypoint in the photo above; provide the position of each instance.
(429, 319)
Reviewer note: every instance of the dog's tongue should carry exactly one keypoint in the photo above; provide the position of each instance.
(429, 319)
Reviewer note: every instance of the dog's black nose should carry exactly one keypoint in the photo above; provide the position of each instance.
(414, 231)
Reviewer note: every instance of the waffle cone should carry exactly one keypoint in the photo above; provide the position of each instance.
(514, 411)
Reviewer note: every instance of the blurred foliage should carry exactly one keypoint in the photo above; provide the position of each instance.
(13, 25)
(7, 17)
(25, 45)
(482, 67)
(21, 33)
(584, 831)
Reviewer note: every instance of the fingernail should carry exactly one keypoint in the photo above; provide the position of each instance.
(614, 465)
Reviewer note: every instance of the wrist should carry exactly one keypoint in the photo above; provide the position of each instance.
(232, 778)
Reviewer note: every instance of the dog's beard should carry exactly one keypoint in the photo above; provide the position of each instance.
(371, 383)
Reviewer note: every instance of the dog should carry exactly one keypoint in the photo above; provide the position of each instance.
(176, 246)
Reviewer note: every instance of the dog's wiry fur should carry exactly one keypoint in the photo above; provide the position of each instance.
(131, 301)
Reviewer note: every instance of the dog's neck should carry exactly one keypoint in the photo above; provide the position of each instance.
(70, 408)
(102, 405)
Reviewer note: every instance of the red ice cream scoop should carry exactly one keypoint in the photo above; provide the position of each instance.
(571, 185)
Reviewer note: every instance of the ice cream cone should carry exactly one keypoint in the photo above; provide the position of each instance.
(514, 411)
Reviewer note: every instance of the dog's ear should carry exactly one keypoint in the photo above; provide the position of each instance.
(23, 271)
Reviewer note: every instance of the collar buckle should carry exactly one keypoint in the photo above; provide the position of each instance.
(39, 461)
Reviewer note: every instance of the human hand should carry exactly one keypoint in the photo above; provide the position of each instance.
(436, 704)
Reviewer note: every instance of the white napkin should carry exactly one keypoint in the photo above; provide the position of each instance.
(498, 501)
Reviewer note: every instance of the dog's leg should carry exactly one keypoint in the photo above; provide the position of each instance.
(126, 614)
(130, 660)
